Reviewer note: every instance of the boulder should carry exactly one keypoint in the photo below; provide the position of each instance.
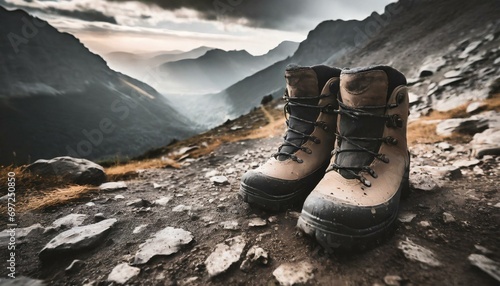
(73, 170)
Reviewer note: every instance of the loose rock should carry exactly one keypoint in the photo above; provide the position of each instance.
(165, 242)
(289, 274)
(113, 186)
(255, 255)
(418, 253)
(447, 217)
(256, 222)
(219, 180)
(123, 273)
(69, 221)
(224, 255)
(77, 238)
(487, 265)
(392, 280)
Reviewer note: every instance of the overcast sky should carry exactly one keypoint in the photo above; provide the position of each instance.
(162, 25)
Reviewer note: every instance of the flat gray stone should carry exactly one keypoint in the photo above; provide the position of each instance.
(70, 221)
(487, 265)
(289, 274)
(418, 253)
(219, 180)
(486, 143)
(256, 222)
(123, 273)
(113, 186)
(452, 74)
(165, 242)
(230, 225)
(449, 81)
(224, 255)
(163, 201)
(77, 238)
(74, 170)
(406, 217)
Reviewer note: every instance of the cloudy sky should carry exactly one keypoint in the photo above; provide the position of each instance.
(161, 25)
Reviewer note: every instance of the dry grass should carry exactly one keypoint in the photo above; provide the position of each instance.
(55, 197)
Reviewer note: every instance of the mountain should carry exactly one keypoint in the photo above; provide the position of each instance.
(216, 69)
(405, 35)
(141, 65)
(57, 98)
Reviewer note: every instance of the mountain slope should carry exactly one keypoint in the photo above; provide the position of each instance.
(403, 36)
(216, 69)
(57, 98)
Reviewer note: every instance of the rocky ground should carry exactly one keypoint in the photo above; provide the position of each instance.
(187, 226)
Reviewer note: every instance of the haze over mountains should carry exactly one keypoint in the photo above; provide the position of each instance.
(57, 98)
(199, 71)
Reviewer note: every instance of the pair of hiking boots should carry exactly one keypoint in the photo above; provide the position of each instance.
(344, 157)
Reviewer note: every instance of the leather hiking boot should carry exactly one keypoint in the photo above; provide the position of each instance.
(356, 203)
(289, 176)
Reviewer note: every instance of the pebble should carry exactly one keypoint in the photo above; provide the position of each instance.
(219, 180)
(230, 225)
(418, 253)
(119, 197)
(289, 274)
(424, 223)
(448, 218)
(99, 217)
(113, 186)
(256, 222)
(466, 163)
(163, 201)
(482, 249)
(406, 217)
(224, 255)
(181, 208)
(165, 242)
(392, 280)
(255, 255)
(139, 228)
(475, 106)
(123, 273)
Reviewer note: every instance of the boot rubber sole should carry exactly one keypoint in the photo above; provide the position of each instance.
(277, 203)
(350, 240)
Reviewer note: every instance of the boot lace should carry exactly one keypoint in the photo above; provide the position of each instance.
(298, 102)
(355, 113)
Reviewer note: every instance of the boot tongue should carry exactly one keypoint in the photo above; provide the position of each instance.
(301, 82)
(361, 90)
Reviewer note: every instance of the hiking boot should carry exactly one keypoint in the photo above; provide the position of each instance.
(356, 204)
(289, 176)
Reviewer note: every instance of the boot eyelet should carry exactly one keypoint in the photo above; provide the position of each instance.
(307, 150)
(328, 109)
(300, 161)
(400, 97)
(395, 121)
(315, 140)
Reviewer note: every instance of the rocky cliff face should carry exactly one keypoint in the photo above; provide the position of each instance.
(57, 98)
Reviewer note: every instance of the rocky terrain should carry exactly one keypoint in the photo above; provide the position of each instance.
(179, 220)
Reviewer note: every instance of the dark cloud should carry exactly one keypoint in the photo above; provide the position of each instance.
(291, 15)
(272, 14)
(88, 15)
